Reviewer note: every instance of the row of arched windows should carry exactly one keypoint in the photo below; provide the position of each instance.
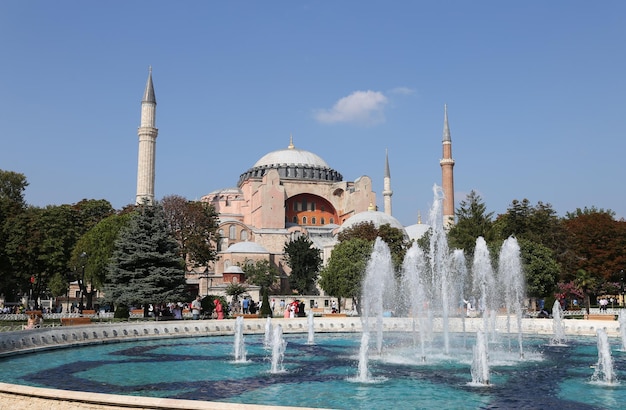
(313, 220)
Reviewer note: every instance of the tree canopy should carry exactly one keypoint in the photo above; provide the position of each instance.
(473, 221)
(146, 266)
(305, 261)
(344, 273)
(194, 226)
(261, 273)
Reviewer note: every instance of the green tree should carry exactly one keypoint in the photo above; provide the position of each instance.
(541, 269)
(343, 275)
(235, 290)
(94, 250)
(146, 266)
(38, 246)
(194, 226)
(587, 283)
(305, 261)
(473, 221)
(393, 237)
(261, 273)
(12, 186)
(539, 224)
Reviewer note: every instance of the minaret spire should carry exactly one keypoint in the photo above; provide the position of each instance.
(147, 133)
(447, 173)
(387, 192)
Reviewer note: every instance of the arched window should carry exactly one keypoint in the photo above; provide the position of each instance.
(227, 264)
(232, 232)
(332, 220)
(243, 235)
(323, 221)
(313, 220)
(304, 220)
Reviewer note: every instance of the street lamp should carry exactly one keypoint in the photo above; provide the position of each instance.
(83, 256)
(621, 280)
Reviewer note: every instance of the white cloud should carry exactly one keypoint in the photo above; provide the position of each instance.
(361, 107)
(402, 91)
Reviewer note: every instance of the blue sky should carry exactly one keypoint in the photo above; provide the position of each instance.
(535, 93)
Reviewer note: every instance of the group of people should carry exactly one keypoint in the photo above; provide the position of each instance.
(295, 309)
(196, 308)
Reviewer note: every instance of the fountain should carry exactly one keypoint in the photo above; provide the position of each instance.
(311, 327)
(512, 280)
(622, 329)
(269, 332)
(559, 338)
(480, 365)
(239, 350)
(484, 285)
(604, 373)
(278, 350)
(414, 263)
(422, 358)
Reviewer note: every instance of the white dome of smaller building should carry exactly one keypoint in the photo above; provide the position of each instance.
(376, 217)
(246, 247)
(416, 231)
(233, 269)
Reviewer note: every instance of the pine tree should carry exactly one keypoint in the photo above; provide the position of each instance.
(146, 266)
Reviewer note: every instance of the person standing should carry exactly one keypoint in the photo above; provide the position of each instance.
(196, 308)
(219, 309)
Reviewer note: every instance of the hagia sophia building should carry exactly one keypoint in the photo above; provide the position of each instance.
(287, 193)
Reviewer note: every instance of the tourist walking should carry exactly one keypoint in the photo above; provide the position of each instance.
(196, 308)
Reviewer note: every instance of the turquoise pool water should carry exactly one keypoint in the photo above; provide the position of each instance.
(322, 374)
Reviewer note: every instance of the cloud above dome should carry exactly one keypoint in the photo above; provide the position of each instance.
(360, 107)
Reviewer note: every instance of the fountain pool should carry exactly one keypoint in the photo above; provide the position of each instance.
(322, 374)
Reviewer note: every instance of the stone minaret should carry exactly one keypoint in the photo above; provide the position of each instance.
(387, 192)
(447, 174)
(147, 145)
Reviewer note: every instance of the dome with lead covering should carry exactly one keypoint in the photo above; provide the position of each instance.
(376, 217)
(292, 163)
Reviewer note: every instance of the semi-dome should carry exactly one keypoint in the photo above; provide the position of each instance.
(376, 217)
(292, 163)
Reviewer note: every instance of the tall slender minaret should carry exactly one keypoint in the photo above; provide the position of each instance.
(447, 174)
(147, 145)
(387, 192)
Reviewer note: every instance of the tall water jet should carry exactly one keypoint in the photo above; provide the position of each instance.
(480, 365)
(363, 375)
(604, 368)
(377, 284)
(311, 325)
(267, 339)
(412, 267)
(440, 264)
(239, 347)
(484, 283)
(512, 280)
(279, 345)
(557, 324)
(622, 329)
(460, 267)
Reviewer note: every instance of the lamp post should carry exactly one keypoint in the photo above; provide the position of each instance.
(622, 279)
(82, 281)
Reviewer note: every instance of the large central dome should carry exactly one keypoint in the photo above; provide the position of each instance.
(292, 163)
(292, 155)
